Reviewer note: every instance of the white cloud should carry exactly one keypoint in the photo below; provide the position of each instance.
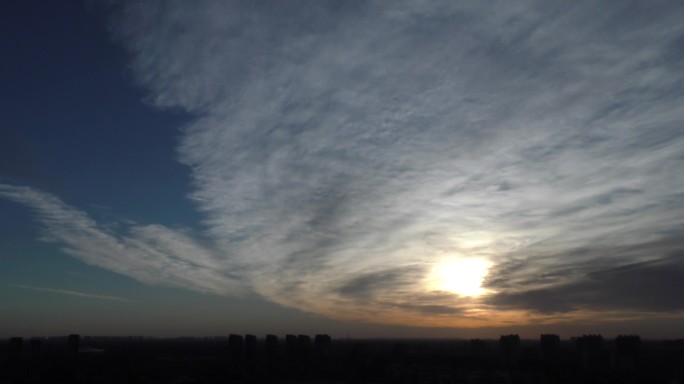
(333, 142)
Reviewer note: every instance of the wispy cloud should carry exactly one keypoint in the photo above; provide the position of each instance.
(152, 254)
(72, 293)
(341, 151)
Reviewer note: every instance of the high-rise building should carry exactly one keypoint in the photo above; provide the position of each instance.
(250, 347)
(15, 347)
(73, 344)
(627, 351)
(303, 347)
(590, 350)
(235, 347)
(509, 345)
(271, 347)
(628, 344)
(322, 346)
(291, 347)
(550, 345)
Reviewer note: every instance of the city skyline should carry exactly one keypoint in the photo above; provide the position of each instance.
(413, 169)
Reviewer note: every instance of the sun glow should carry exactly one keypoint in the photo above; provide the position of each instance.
(463, 277)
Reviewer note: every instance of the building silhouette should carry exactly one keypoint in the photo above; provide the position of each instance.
(323, 342)
(250, 347)
(291, 347)
(272, 348)
(591, 352)
(550, 346)
(628, 344)
(15, 348)
(73, 344)
(303, 347)
(322, 347)
(627, 353)
(509, 347)
(235, 347)
(587, 359)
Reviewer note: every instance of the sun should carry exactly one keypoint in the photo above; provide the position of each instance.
(463, 277)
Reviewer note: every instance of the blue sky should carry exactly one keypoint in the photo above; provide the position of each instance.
(215, 167)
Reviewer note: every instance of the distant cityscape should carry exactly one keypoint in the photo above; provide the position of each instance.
(322, 359)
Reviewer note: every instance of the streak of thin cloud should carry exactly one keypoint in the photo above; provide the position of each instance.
(73, 293)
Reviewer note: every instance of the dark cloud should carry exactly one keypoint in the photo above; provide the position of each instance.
(430, 303)
(651, 285)
(635, 287)
(366, 286)
(592, 202)
(428, 309)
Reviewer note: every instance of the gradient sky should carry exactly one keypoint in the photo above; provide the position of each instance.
(212, 167)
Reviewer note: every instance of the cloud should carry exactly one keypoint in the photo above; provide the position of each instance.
(609, 280)
(152, 254)
(634, 287)
(368, 284)
(72, 293)
(341, 151)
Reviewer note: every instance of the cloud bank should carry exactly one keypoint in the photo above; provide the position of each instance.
(341, 151)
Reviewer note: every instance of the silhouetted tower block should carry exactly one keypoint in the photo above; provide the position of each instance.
(589, 342)
(34, 348)
(323, 346)
(250, 347)
(235, 346)
(509, 346)
(15, 347)
(73, 344)
(627, 348)
(590, 347)
(291, 347)
(271, 347)
(628, 344)
(303, 347)
(550, 345)
(477, 347)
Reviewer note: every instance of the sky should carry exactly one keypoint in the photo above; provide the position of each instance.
(363, 168)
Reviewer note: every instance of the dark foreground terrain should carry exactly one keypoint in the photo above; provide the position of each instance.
(302, 359)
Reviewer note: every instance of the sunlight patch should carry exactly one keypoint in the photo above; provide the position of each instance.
(463, 277)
